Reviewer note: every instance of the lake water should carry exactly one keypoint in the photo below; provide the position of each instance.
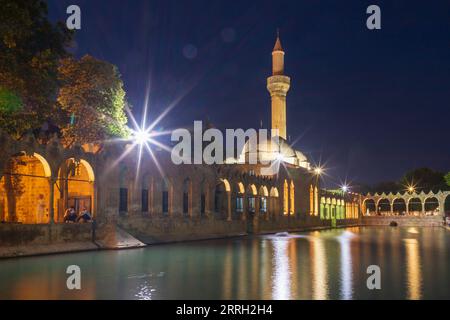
(330, 264)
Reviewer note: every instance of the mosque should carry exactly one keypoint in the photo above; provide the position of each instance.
(162, 201)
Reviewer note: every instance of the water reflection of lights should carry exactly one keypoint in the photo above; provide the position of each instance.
(413, 269)
(346, 265)
(319, 276)
(281, 286)
(144, 291)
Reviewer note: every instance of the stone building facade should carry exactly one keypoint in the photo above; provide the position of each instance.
(158, 201)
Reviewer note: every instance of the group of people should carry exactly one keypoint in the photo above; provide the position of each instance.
(71, 216)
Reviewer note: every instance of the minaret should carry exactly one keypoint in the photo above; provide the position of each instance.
(278, 85)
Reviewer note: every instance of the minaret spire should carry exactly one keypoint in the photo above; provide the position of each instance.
(278, 85)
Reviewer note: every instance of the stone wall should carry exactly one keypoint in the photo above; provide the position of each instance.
(407, 221)
(160, 230)
(12, 234)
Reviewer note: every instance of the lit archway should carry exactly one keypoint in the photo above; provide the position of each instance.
(399, 206)
(414, 206)
(25, 189)
(292, 198)
(369, 206)
(431, 206)
(285, 198)
(263, 194)
(222, 198)
(74, 188)
(384, 207)
(252, 192)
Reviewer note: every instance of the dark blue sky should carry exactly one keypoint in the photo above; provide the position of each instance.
(371, 104)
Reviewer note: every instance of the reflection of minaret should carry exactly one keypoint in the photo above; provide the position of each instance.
(278, 85)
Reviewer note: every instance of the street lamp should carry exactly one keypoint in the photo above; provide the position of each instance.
(318, 171)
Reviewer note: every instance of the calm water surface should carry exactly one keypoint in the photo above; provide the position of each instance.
(414, 262)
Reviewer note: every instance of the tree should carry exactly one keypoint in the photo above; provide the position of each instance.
(424, 179)
(93, 99)
(30, 50)
(447, 179)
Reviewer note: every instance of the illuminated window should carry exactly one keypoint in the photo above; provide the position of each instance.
(263, 204)
(316, 201)
(239, 204)
(311, 200)
(285, 198)
(292, 198)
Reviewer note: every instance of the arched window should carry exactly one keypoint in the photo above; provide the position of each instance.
(251, 194)
(263, 193)
(203, 192)
(316, 201)
(165, 197)
(240, 198)
(322, 208)
(123, 190)
(311, 200)
(292, 198)
(285, 198)
(144, 193)
(186, 196)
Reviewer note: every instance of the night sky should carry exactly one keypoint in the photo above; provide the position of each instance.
(369, 104)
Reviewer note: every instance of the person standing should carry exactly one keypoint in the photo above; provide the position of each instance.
(40, 209)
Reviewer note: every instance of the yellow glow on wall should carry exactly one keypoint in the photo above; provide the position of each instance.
(285, 197)
(227, 185)
(292, 198)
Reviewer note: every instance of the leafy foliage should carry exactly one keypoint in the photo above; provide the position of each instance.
(30, 50)
(92, 95)
(447, 178)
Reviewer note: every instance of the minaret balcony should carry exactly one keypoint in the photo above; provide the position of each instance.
(278, 84)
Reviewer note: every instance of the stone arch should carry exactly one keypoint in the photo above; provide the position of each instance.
(383, 206)
(399, 206)
(222, 194)
(187, 197)
(431, 205)
(123, 189)
(146, 192)
(166, 196)
(370, 206)
(263, 198)
(74, 188)
(291, 198)
(274, 192)
(274, 201)
(252, 193)
(322, 211)
(285, 197)
(414, 205)
(25, 189)
(204, 197)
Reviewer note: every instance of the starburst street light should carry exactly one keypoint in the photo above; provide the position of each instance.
(344, 188)
(318, 171)
(140, 136)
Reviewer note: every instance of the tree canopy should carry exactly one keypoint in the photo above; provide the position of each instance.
(93, 98)
(30, 48)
